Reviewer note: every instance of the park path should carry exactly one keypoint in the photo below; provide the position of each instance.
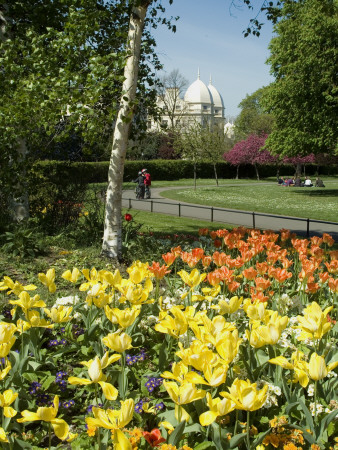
(159, 204)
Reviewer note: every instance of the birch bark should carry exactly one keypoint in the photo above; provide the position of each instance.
(112, 235)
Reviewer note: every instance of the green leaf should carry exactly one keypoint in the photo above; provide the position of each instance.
(326, 421)
(204, 446)
(176, 435)
(236, 440)
(308, 415)
(260, 438)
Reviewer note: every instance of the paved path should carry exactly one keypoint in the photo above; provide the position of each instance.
(159, 204)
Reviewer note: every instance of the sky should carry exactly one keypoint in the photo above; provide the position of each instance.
(209, 38)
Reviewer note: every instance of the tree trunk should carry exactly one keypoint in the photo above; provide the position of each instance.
(112, 235)
(216, 177)
(256, 169)
(298, 170)
(18, 202)
(195, 176)
(237, 171)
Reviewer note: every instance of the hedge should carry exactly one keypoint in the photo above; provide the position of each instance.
(63, 172)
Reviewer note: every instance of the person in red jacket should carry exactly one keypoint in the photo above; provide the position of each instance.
(147, 182)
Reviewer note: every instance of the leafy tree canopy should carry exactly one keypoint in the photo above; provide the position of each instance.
(253, 118)
(303, 98)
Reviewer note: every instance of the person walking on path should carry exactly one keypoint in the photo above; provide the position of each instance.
(147, 182)
(140, 188)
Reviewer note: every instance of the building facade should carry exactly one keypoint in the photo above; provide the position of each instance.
(201, 105)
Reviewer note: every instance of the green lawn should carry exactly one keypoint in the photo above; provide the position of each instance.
(313, 203)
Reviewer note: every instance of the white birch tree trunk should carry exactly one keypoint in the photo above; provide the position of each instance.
(112, 235)
(18, 203)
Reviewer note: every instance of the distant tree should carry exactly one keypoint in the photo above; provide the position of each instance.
(170, 90)
(190, 143)
(249, 151)
(253, 118)
(214, 144)
(303, 97)
(167, 149)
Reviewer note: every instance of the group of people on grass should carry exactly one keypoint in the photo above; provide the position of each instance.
(143, 181)
(297, 182)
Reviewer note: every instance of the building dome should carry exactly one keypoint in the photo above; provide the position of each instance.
(218, 100)
(198, 92)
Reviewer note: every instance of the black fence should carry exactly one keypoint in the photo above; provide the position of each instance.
(307, 227)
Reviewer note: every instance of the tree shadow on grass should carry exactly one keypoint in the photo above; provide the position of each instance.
(316, 193)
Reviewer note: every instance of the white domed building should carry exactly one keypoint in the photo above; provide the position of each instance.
(201, 104)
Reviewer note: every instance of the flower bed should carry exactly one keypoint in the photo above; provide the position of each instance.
(228, 344)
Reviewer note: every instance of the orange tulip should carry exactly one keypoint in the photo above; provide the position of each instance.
(262, 284)
(203, 232)
(158, 271)
(169, 258)
(250, 273)
(328, 239)
(262, 267)
(206, 261)
(220, 259)
(333, 285)
(281, 275)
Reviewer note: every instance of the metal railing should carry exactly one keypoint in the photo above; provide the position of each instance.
(235, 216)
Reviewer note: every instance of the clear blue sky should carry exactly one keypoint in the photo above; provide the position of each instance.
(209, 37)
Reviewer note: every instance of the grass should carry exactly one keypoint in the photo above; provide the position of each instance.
(159, 223)
(313, 203)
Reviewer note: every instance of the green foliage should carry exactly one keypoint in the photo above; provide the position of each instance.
(303, 97)
(23, 241)
(253, 118)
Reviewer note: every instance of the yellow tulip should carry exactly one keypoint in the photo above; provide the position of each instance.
(114, 420)
(135, 294)
(5, 367)
(217, 407)
(245, 395)
(138, 271)
(298, 365)
(174, 326)
(216, 375)
(93, 277)
(211, 293)
(35, 320)
(124, 317)
(255, 311)
(3, 437)
(48, 414)
(317, 367)
(71, 276)
(61, 314)
(26, 302)
(193, 279)
(230, 307)
(48, 279)
(198, 355)
(97, 295)
(314, 323)
(228, 346)
(118, 342)
(180, 372)
(96, 376)
(15, 287)
(6, 399)
(113, 279)
(186, 393)
(7, 338)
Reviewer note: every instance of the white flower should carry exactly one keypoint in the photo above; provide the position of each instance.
(70, 300)
(311, 390)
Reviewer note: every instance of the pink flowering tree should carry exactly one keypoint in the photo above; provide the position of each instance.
(249, 151)
(299, 162)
